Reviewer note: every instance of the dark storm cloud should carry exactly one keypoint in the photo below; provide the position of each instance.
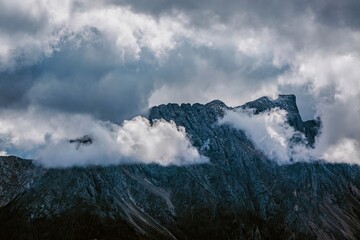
(271, 12)
(111, 59)
(89, 76)
(91, 79)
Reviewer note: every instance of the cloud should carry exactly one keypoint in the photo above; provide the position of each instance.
(270, 133)
(3, 153)
(161, 142)
(81, 60)
(45, 137)
(75, 49)
(340, 129)
(347, 150)
(43, 28)
(113, 59)
(334, 90)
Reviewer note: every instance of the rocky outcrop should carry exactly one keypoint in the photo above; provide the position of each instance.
(239, 194)
(16, 176)
(81, 141)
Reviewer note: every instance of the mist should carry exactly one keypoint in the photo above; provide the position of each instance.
(45, 137)
(112, 60)
(271, 133)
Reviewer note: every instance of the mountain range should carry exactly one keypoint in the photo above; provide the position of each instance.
(239, 194)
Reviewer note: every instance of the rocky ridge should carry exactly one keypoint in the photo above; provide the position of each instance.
(240, 194)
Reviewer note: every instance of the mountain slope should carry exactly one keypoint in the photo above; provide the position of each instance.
(240, 194)
(16, 176)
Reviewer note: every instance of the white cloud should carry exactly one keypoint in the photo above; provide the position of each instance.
(345, 151)
(326, 70)
(45, 137)
(270, 133)
(161, 142)
(333, 83)
(338, 141)
(3, 153)
(55, 21)
(214, 44)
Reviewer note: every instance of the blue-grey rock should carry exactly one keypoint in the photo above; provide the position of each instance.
(239, 194)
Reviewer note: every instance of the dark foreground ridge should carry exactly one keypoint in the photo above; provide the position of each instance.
(240, 194)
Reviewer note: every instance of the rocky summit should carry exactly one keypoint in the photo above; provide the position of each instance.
(239, 194)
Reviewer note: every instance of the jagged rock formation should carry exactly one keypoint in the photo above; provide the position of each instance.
(240, 194)
(84, 140)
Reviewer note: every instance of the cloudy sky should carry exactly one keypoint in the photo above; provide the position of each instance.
(111, 60)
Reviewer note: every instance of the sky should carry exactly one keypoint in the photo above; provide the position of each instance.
(109, 61)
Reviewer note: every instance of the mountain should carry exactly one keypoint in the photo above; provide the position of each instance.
(239, 194)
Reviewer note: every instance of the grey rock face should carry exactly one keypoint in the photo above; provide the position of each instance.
(16, 176)
(240, 194)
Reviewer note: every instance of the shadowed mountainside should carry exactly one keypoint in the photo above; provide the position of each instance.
(240, 194)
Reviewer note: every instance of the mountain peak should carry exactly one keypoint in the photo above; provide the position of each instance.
(290, 97)
(216, 105)
(286, 102)
(240, 192)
